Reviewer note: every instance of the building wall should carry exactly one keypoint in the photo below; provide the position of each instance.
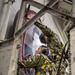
(1, 7)
(14, 8)
(46, 19)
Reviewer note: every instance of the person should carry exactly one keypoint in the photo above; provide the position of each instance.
(40, 61)
(53, 40)
(29, 38)
(29, 34)
(55, 45)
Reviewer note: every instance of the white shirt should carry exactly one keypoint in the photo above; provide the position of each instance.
(29, 37)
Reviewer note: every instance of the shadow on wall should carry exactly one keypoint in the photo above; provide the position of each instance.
(13, 18)
(10, 33)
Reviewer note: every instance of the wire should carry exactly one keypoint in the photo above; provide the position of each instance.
(58, 72)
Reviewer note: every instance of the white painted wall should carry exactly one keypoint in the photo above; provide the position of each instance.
(16, 5)
(48, 21)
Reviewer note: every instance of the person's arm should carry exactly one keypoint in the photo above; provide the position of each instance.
(36, 60)
(53, 39)
(46, 31)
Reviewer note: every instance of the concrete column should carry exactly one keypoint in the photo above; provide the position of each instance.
(5, 19)
(72, 49)
(15, 56)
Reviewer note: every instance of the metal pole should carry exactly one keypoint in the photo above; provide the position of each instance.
(50, 10)
(34, 19)
(5, 19)
(13, 67)
(30, 23)
(20, 16)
